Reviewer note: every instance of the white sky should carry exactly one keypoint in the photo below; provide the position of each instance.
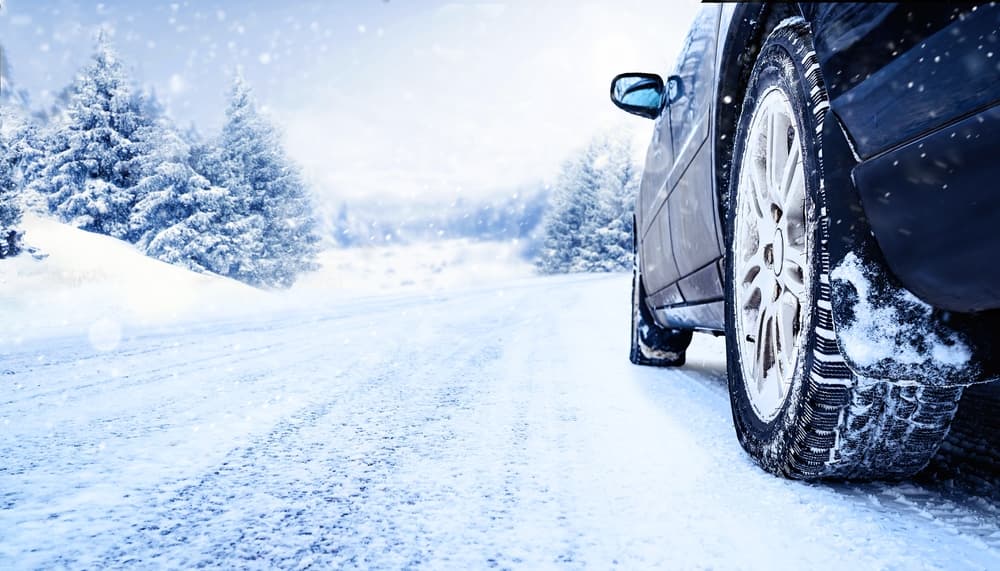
(393, 100)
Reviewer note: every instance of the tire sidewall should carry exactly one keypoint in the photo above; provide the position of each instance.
(779, 65)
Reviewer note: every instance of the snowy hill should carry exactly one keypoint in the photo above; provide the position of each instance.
(89, 282)
(96, 285)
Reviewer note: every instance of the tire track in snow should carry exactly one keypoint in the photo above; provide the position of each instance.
(354, 486)
(474, 430)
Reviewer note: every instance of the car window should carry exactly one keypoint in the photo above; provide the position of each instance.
(696, 70)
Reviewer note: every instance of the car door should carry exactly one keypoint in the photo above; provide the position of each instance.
(693, 222)
(658, 267)
(666, 228)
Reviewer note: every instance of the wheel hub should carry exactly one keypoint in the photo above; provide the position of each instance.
(778, 247)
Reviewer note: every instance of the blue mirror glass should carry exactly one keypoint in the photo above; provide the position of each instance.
(638, 93)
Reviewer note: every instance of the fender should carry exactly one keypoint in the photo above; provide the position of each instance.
(882, 329)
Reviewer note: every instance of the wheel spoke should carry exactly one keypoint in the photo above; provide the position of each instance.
(794, 272)
(759, 183)
(768, 356)
(757, 191)
(789, 173)
(788, 314)
(794, 223)
(754, 263)
(763, 346)
(772, 148)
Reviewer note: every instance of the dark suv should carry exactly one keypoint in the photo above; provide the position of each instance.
(823, 187)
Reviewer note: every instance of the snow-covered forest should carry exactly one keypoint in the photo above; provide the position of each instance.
(588, 227)
(582, 222)
(107, 159)
(514, 216)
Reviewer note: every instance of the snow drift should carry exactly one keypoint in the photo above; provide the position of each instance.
(84, 282)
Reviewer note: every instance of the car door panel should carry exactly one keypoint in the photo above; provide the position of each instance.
(693, 219)
(701, 286)
(670, 295)
(659, 160)
(659, 269)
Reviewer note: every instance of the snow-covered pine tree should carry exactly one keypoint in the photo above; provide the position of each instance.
(91, 164)
(13, 121)
(610, 229)
(206, 236)
(279, 238)
(573, 198)
(179, 217)
(589, 223)
(10, 212)
(28, 136)
(162, 172)
(569, 207)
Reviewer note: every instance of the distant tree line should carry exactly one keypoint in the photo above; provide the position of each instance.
(513, 217)
(588, 225)
(107, 159)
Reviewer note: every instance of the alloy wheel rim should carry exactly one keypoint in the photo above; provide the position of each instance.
(771, 270)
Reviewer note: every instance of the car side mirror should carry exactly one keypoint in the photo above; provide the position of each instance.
(644, 94)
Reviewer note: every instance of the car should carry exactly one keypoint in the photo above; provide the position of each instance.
(821, 189)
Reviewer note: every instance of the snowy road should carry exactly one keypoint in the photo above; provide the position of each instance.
(490, 428)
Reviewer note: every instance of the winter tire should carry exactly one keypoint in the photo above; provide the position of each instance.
(653, 345)
(797, 408)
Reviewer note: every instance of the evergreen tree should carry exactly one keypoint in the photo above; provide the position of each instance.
(573, 199)
(609, 230)
(90, 167)
(589, 224)
(179, 217)
(10, 95)
(205, 235)
(10, 212)
(13, 121)
(278, 231)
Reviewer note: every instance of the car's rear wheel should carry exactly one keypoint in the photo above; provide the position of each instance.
(653, 345)
(797, 408)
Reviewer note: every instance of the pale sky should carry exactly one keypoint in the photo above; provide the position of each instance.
(408, 100)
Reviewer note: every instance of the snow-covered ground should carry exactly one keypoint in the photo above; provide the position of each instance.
(491, 426)
(417, 267)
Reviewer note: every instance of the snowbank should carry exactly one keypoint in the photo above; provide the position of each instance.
(96, 284)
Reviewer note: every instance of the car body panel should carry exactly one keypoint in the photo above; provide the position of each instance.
(861, 48)
(917, 98)
(677, 220)
(932, 218)
(652, 188)
(893, 76)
